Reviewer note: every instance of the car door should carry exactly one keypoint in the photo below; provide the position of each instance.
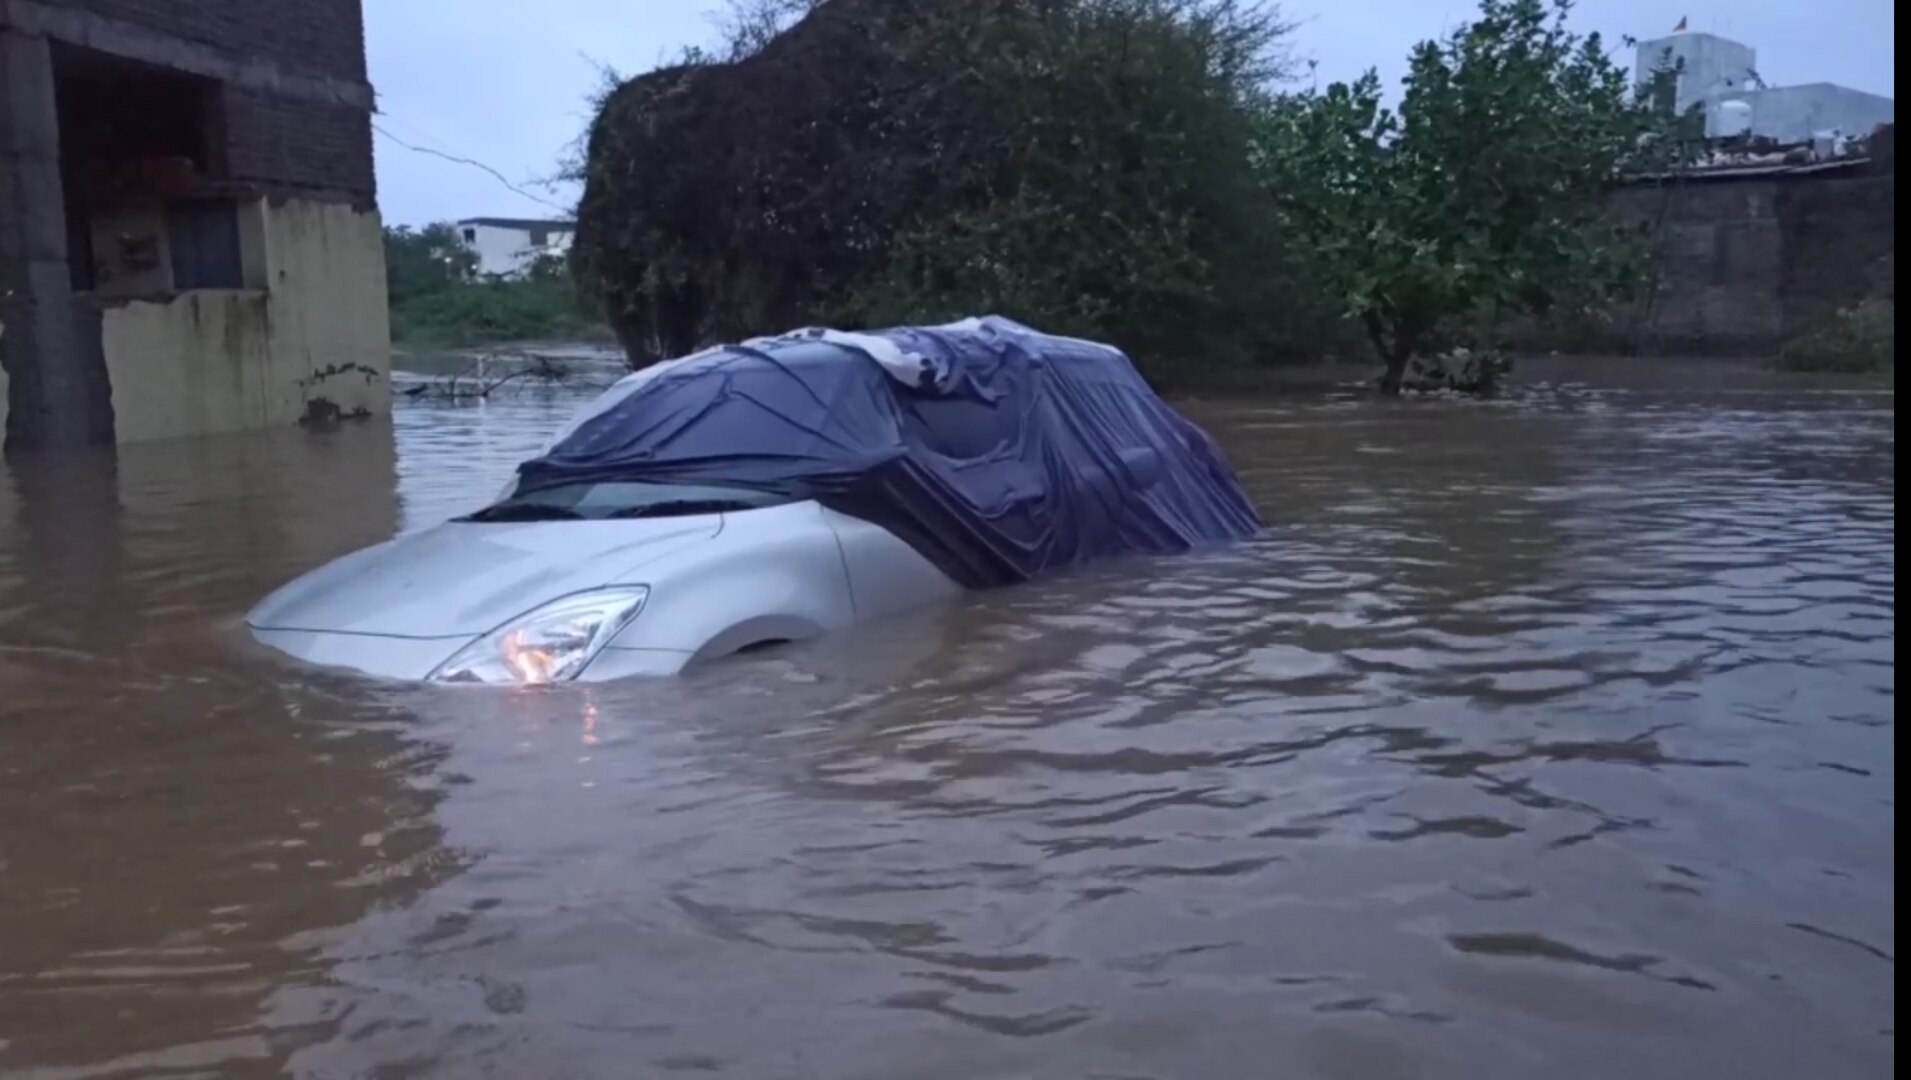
(886, 576)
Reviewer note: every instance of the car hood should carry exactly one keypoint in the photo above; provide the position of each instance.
(462, 579)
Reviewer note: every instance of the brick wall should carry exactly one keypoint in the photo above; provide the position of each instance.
(300, 146)
(284, 141)
(317, 36)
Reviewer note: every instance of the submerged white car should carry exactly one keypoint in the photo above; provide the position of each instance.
(770, 493)
(622, 579)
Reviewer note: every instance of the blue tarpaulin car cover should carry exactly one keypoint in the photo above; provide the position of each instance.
(998, 452)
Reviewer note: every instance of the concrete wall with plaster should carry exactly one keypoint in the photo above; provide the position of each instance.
(312, 345)
(1706, 64)
(509, 251)
(260, 105)
(1793, 114)
(1713, 70)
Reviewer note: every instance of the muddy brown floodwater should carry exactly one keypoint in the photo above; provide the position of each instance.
(1542, 738)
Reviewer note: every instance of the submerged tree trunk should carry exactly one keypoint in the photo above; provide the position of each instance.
(1395, 349)
(1395, 376)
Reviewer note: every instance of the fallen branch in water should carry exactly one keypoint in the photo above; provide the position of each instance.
(475, 382)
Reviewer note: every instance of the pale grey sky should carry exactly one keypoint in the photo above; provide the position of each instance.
(506, 82)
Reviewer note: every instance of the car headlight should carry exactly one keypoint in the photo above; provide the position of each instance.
(551, 644)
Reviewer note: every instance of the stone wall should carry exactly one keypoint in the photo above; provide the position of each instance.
(1743, 264)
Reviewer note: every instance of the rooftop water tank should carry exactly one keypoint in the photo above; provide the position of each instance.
(1829, 145)
(1730, 117)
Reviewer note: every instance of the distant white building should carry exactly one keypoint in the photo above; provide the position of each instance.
(1721, 77)
(506, 247)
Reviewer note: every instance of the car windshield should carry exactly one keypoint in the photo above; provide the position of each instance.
(600, 501)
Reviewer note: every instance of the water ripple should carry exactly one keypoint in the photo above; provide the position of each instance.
(1549, 734)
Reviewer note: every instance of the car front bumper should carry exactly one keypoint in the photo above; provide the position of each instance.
(414, 659)
(406, 659)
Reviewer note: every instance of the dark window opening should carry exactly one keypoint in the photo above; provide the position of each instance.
(540, 238)
(471, 236)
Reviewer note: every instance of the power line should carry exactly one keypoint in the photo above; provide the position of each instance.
(500, 177)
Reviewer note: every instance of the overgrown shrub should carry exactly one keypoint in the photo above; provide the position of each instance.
(1856, 340)
(1082, 165)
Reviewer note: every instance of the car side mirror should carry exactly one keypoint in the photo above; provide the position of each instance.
(1143, 465)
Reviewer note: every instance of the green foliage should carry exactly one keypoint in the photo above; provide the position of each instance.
(1857, 340)
(438, 297)
(420, 262)
(1120, 169)
(1479, 199)
(492, 312)
(1080, 164)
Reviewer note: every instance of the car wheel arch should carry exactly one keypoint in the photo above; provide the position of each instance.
(758, 632)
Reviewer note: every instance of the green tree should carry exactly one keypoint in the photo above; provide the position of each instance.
(1480, 198)
(438, 297)
(420, 262)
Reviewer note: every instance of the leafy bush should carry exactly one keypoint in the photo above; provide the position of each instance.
(1856, 340)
